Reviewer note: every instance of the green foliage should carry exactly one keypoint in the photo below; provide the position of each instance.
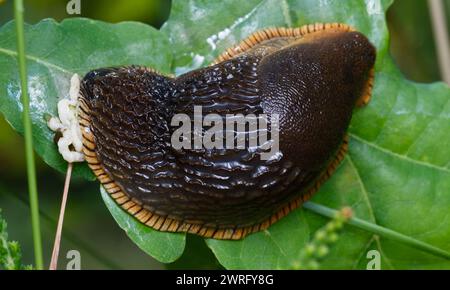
(397, 171)
(10, 254)
(164, 247)
(55, 51)
(398, 164)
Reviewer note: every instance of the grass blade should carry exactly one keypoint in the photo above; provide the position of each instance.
(29, 153)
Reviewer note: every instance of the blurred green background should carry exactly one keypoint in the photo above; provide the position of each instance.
(89, 228)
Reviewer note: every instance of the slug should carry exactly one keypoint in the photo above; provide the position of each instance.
(311, 77)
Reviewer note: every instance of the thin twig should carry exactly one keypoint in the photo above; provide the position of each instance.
(28, 134)
(441, 37)
(56, 245)
(70, 236)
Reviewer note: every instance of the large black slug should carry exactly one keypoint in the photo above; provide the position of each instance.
(311, 77)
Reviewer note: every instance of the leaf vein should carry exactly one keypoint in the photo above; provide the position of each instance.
(400, 156)
(36, 59)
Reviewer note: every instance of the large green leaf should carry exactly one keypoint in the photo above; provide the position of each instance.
(397, 171)
(164, 247)
(55, 51)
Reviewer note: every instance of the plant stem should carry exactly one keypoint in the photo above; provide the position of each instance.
(57, 243)
(29, 153)
(438, 19)
(70, 236)
(379, 230)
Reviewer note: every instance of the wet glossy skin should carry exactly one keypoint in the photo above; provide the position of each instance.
(313, 84)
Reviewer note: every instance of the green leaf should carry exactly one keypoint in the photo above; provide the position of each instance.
(55, 51)
(196, 256)
(397, 172)
(162, 246)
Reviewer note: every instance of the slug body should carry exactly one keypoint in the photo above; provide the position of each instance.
(310, 77)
